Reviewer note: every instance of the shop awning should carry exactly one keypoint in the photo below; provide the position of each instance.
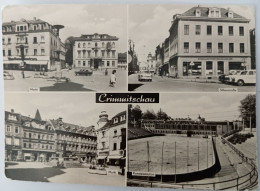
(115, 157)
(101, 157)
(38, 62)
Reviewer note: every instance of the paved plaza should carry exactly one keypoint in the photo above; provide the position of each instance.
(36, 171)
(165, 84)
(97, 82)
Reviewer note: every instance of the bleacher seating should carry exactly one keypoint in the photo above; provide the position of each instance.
(239, 138)
(136, 133)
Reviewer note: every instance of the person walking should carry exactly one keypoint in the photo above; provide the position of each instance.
(113, 79)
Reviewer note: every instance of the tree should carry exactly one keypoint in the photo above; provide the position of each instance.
(149, 114)
(248, 110)
(69, 50)
(161, 115)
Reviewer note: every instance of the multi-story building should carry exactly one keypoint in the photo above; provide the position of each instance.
(13, 136)
(38, 139)
(151, 62)
(182, 125)
(32, 45)
(75, 140)
(159, 56)
(122, 60)
(208, 41)
(252, 47)
(96, 51)
(112, 140)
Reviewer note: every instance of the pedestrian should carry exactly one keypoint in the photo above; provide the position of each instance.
(106, 72)
(113, 79)
(23, 74)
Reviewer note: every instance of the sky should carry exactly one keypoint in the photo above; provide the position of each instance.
(149, 24)
(211, 106)
(77, 18)
(76, 108)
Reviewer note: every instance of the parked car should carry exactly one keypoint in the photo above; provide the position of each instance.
(84, 72)
(223, 78)
(145, 75)
(245, 77)
(8, 76)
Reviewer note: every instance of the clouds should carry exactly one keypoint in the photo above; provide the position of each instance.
(77, 19)
(149, 24)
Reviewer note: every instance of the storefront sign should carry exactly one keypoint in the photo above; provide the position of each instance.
(18, 58)
(215, 58)
(227, 90)
(139, 173)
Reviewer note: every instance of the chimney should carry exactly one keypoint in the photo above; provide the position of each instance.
(12, 110)
(34, 18)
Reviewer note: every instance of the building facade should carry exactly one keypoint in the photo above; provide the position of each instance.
(32, 45)
(151, 63)
(74, 140)
(122, 60)
(111, 147)
(13, 136)
(182, 125)
(207, 42)
(96, 51)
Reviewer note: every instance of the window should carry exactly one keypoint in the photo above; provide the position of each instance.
(103, 53)
(79, 53)
(84, 53)
(9, 40)
(16, 141)
(186, 29)
(220, 30)
(79, 63)
(115, 132)
(197, 30)
(30, 145)
(197, 47)
(34, 40)
(113, 63)
(3, 41)
(78, 45)
(241, 31)
(84, 63)
(242, 48)
(34, 27)
(17, 28)
(39, 136)
(26, 51)
(24, 145)
(84, 45)
(16, 129)
(103, 44)
(209, 29)
(3, 52)
(35, 52)
(108, 63)
(8, 128)
(30, 135)
(108, 54)
(220, 47)
(230, 31)
(113, 45)
(113, 54)
(186, 47)
(231, 47)
(209, 47)
(9, 53)
(116, 120)
(42, 51)
(114, 147)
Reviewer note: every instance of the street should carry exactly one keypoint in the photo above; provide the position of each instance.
(97, 82)
(36, 171)
(166, 84)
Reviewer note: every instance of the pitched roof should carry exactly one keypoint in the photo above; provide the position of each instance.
(205, 11)
(90, 37)
(37, 21)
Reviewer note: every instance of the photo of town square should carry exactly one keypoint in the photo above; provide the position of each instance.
(47, 49)
(193, 141)
(191, 48)
(64, 139)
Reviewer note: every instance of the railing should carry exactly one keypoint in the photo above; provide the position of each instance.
(247, 179)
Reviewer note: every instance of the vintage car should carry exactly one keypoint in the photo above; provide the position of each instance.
(84, 72)
(223, 78)
(245, 77)
(145, 76)
(8, 76)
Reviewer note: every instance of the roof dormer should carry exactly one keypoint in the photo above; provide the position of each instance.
(197, 12)
(230, 13)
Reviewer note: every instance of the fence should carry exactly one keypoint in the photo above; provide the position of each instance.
(241, 182)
